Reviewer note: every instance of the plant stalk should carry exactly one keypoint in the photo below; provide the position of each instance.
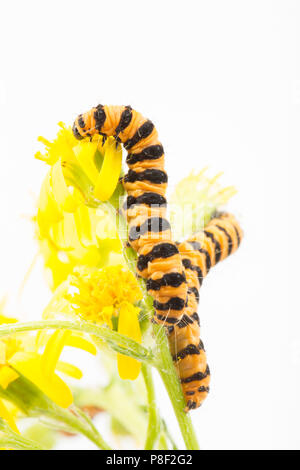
(154, 418)
(119, 343)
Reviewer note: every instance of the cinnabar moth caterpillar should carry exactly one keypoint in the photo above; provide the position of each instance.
(220, 238)
(150, 236)
(168, 269)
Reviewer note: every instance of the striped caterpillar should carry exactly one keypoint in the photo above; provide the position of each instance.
(220, 238)
(168, 276)
(150, 236)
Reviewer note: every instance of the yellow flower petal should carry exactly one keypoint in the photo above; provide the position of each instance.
(2, 352)
(7, 416)
(106, 315)
(110, 172)
(64, 234)
(48, 211)
(84, 226)
(66, 201)
(4, 319)
(7, 375)
(30, 365)
(41, 338)
(62, 145)
(69, 369)
(77, 341)
(85, 152)
(128, 367)
(53, 351)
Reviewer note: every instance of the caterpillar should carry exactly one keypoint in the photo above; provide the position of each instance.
(168, 276)
(159, 260)
(220, 238)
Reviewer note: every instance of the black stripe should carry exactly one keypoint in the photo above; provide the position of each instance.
(125, 120)
(153, 224)
(99, 116)
(201, 346)
(188, 265)
(191, 405)
(162, 250)
(197, 246)
(81, 122)
(185, 321)
(142, 132)
(194, 290)
(237, 235)
(76, 133)
(174, 303)
(217, 245)
(228, 238)
(195, 316)
(166, 318)
(149, 199)
(190, 393)
(196, 376)
(203, 389)
(153, 152)
(188, 350)
(169, 279)
(151, 174)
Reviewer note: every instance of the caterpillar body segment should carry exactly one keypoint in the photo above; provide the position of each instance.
(159, 261)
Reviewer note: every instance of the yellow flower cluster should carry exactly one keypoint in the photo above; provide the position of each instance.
(70, 229)
(99, 296)
(100, 293)
(77, 238)
(19, 354)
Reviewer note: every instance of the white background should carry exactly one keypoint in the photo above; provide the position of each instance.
(221, 81)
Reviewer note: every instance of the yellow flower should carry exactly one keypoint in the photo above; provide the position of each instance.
(85, 238)
(41, 368)
(18, 354)
(99, 162)
(194, 200)
(104, 296)
(62, 145)
(71, 232)
(100, 293)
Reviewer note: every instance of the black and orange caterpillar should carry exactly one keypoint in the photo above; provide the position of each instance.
(159, 258)
(150, 236)
(220, 238)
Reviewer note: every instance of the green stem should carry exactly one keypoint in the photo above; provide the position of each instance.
(173, 387)
(168, 435)
(163, 444)
(119, 343)
(154, 418)
(20, 444)
(12, 440)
